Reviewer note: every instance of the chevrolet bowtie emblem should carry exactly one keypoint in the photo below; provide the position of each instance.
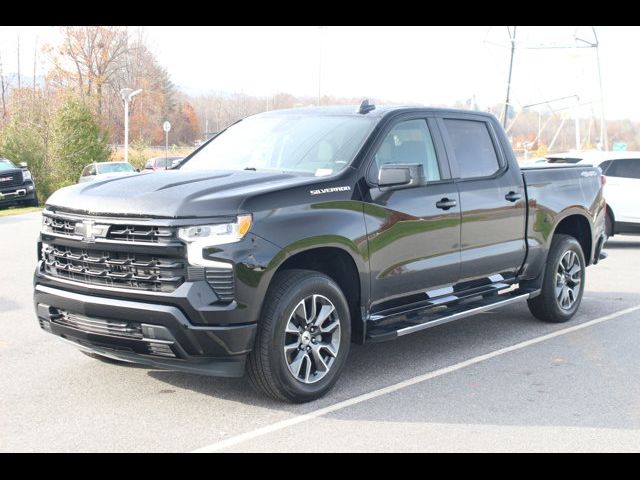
(89, 231)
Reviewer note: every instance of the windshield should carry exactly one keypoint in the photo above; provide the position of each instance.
(115, 167)
(6, 164)
(313, 145)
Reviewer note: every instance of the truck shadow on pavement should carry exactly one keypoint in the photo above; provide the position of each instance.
(551, 383)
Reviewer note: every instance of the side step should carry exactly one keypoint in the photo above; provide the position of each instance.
(427, 320)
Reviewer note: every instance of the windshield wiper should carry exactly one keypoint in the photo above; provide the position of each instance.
(253, 169)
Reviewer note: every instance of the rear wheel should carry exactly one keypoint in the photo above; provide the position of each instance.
(303, 337)
(563, 282)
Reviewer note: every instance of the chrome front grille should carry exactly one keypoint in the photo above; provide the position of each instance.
(87, 264)
(65, 226)
(114, 328)
(138, 233)
(60, 226)
(10, 180)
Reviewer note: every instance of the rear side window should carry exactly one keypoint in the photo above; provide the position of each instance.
(628, 168)
(473, 148)
(410, 142)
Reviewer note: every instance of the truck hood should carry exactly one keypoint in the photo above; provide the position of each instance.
(171, 194)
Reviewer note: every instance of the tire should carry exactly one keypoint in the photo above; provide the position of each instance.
(562, 290)
(284, 362)
(608, 224)
(32, 202)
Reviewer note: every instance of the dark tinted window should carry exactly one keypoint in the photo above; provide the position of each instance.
(604, 166)
(410, 142)
(472, 145)
(629, 168)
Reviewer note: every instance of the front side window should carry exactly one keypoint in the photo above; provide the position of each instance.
(627, 168)
(473, 148)
(410, 142)
(307, 145)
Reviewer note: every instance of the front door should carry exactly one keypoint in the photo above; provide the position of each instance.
(413, 233)
(492, 202)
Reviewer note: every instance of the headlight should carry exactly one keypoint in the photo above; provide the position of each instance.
(202, 236)
(26, 175)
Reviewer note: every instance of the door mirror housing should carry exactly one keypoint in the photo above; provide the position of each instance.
(400, 175)
(23, 165)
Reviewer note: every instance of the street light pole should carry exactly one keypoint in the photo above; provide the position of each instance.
(603, 125)
(127, 94)
(320, 30)
(513, 50)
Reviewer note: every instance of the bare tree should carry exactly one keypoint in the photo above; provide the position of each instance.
(90, 58)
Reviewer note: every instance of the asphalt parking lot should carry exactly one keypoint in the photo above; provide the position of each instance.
(500, 381)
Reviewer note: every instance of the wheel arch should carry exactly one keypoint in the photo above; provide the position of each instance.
(341, 266)
(578, 226)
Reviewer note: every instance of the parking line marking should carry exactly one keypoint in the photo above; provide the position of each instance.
(274, 427)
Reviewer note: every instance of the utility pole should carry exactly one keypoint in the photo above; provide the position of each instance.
(512, 36)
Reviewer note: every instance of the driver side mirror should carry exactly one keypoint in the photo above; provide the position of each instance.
(400, 175)
(22, 164)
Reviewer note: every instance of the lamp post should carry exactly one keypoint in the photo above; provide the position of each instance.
(127, 94)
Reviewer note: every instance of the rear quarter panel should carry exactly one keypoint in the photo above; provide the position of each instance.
(553, 194)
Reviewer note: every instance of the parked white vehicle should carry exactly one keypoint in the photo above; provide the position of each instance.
(103, 170)
(622, 190)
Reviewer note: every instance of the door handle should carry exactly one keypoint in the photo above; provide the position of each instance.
(446, 204)
(513, 196)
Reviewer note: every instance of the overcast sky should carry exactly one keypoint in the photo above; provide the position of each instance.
(427, 65)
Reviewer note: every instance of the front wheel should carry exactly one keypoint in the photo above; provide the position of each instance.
(563, 282)
(33, 202)
(303, 337)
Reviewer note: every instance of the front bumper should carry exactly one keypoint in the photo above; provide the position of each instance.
(156, 335)
(17, 194)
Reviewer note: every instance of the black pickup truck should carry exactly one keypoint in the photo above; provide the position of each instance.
(16, 185)
(294, 233)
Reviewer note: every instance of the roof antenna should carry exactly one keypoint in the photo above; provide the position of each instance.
(365, 107)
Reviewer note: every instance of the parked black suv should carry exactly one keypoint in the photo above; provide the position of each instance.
(294, 233)
(16, 185)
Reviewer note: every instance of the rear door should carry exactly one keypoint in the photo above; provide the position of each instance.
(413, 236)
(492, 201)
(622, 191)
